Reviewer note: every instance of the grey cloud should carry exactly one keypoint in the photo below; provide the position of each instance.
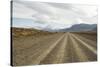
(54, 15)
(68, 7)
(40, 7)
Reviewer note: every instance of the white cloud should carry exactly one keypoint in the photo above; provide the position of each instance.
(55, 15)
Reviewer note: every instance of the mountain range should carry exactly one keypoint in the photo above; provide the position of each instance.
(77, 28)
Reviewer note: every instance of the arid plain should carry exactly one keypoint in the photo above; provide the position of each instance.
(34, 47)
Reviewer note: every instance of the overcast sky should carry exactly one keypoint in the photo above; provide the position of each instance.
(42, 15)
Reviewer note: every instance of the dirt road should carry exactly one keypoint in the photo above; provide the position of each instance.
(54, 49)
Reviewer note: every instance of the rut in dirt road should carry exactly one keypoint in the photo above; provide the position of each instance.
(48, 51)
(63, 48)
(70, 49)
(58, 54)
